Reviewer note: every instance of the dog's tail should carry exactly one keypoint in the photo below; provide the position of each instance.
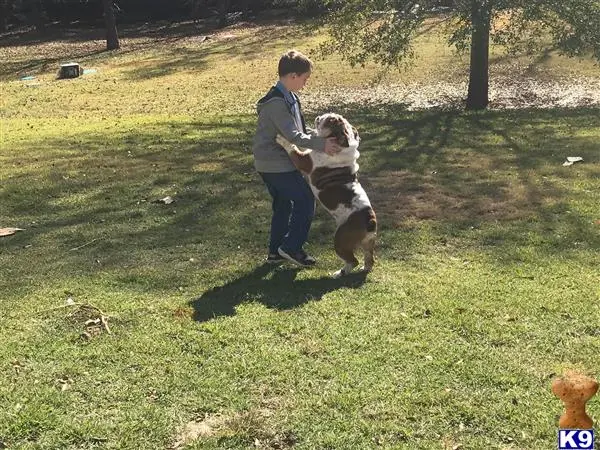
(371, 225)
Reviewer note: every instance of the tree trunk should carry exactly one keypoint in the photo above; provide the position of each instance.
(38, 17)
(223, 10)
(477, 97)
(112, 38)
(197, 11)
(3, 15)
(244, 5)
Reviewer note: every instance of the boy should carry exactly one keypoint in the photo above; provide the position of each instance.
(279, 112)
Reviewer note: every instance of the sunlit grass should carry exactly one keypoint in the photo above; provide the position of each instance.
(485, 285)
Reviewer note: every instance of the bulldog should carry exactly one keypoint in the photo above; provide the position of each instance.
(334, 182)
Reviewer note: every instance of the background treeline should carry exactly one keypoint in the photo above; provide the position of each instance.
(40, 13)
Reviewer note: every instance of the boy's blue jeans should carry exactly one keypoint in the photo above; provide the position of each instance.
(293, 210)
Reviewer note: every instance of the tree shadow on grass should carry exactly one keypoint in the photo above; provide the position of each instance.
(87, 46)
(492, 181)
(274, 287)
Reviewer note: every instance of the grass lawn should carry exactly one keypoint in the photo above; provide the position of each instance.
(485, 288)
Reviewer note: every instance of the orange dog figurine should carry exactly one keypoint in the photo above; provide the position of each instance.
(575, 390)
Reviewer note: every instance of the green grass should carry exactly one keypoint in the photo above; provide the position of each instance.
(486, 285)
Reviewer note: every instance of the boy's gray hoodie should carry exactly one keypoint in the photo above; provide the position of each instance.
(276, 117)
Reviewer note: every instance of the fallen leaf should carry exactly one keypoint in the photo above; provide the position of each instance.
(572, 160)
(65, 384)
(86, 336)
(165, 200)
(378, 440)
(9, 231)
(18, 367)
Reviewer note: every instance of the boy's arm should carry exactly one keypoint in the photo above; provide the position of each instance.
(284, 122)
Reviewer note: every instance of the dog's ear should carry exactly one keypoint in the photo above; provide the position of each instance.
(342, 134)
(355, 131)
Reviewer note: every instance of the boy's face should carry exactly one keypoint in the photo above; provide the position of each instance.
(296, 81)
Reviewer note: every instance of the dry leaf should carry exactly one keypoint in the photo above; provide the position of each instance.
(86, 336)
(94, 331)
(572, 160)
(17, 366)
(65, 384)
(9, 231)
(165, 200)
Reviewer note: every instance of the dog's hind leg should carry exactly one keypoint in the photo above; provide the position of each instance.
(368, 247)
(346, 241)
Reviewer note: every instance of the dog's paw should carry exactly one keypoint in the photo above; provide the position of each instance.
(346, 270)
(338, 274)
(282, 141)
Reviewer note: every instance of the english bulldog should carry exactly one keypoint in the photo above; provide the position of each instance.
(334, 182)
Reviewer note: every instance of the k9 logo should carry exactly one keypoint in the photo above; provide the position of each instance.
(575, 439)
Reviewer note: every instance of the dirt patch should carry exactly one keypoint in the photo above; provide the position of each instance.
(401, 195)
(183, 312)
(207, 426)
(252, 426)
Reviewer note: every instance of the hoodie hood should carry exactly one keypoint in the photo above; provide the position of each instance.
(271, 95)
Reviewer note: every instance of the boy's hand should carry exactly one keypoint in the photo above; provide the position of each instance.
(332, 147)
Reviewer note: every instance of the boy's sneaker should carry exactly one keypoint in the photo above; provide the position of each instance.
(275, 258)
(300, 258)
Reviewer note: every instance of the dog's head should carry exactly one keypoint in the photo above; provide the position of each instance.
(334, 125)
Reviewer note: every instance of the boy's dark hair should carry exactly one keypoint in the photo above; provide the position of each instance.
(293, 61)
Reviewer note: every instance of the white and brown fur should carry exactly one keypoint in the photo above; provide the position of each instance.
(334, 182)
